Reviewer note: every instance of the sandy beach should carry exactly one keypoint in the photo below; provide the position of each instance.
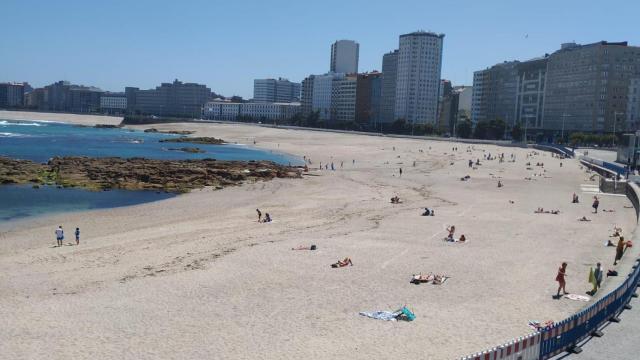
(196, 276)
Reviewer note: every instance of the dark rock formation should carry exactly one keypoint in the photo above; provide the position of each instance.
(195, 140)
(140, 174)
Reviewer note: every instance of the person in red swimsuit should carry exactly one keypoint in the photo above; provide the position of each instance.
(562, 272)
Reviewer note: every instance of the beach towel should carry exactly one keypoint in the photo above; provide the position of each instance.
(592, 277)
(381, 315)
(577, 297)
(538, 326)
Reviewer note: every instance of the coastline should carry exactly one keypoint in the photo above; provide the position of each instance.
(252, 294)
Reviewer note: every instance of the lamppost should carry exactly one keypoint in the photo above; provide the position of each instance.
(615, 121)
(564, 115)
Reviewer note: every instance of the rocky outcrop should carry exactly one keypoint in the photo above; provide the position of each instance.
(175, 132)
(140, 174)
(195, 140)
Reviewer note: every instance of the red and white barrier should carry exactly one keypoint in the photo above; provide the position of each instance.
(524, 348)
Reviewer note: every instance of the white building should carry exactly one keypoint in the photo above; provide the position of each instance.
(275, 90)
(113, 103)
(343, 98)
(270, 111)
(221, 110)
(418, 77)
(224, 110)
(344, 56)
(322, 92)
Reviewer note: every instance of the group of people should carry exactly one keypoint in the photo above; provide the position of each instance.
(267, 217)
(60, 235)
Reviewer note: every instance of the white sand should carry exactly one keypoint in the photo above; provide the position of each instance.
(197, 277)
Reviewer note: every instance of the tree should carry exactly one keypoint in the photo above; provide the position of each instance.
(464, 129)
(399, 126)
(516, 132)
(481, 131)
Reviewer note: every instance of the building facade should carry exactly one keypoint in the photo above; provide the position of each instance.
(586, 88)
(275, 90)
(224, 110)
(368, 91)
(343, 98)
(388, 91)
(322, 94)
(344, 57)
(418, 77)
(12, 94)
(113, 103)
(169, 99)
(306, 96)
(532, 76)
(494, 93)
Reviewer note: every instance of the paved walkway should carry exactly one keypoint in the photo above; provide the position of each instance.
(620, 341)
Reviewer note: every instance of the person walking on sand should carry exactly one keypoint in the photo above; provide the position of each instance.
(77, 236)
(595, 205)
(562, 272)
(59, 235)
(619, 250)
(400, 172)
(259, 215)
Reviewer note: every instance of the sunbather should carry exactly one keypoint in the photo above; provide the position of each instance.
(342, 263)
(439, 279)
(584, 218)
(303, 247)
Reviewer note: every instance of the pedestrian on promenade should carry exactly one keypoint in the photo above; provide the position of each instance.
(562, 272)
(597, 274)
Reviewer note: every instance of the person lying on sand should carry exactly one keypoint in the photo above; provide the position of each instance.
(584, 218)
(605, 210)
(616, 232)
(539, 211)
(428, 212)
(439, 279)
(417, 279)
(395, 200)
(555, 212)
(303, 247)
(342, 263)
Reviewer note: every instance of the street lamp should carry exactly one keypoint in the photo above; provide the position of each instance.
(564, 115)
(615, 121)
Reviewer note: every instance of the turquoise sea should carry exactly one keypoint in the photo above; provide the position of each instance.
(39, 141)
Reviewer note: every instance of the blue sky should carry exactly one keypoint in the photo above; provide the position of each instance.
(226, 44)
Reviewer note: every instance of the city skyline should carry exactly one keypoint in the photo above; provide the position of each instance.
(228, 52)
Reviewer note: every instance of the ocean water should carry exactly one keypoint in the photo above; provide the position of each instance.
(20, 201)
(40, 141)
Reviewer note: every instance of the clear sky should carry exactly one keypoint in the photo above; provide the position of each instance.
(226, 44)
